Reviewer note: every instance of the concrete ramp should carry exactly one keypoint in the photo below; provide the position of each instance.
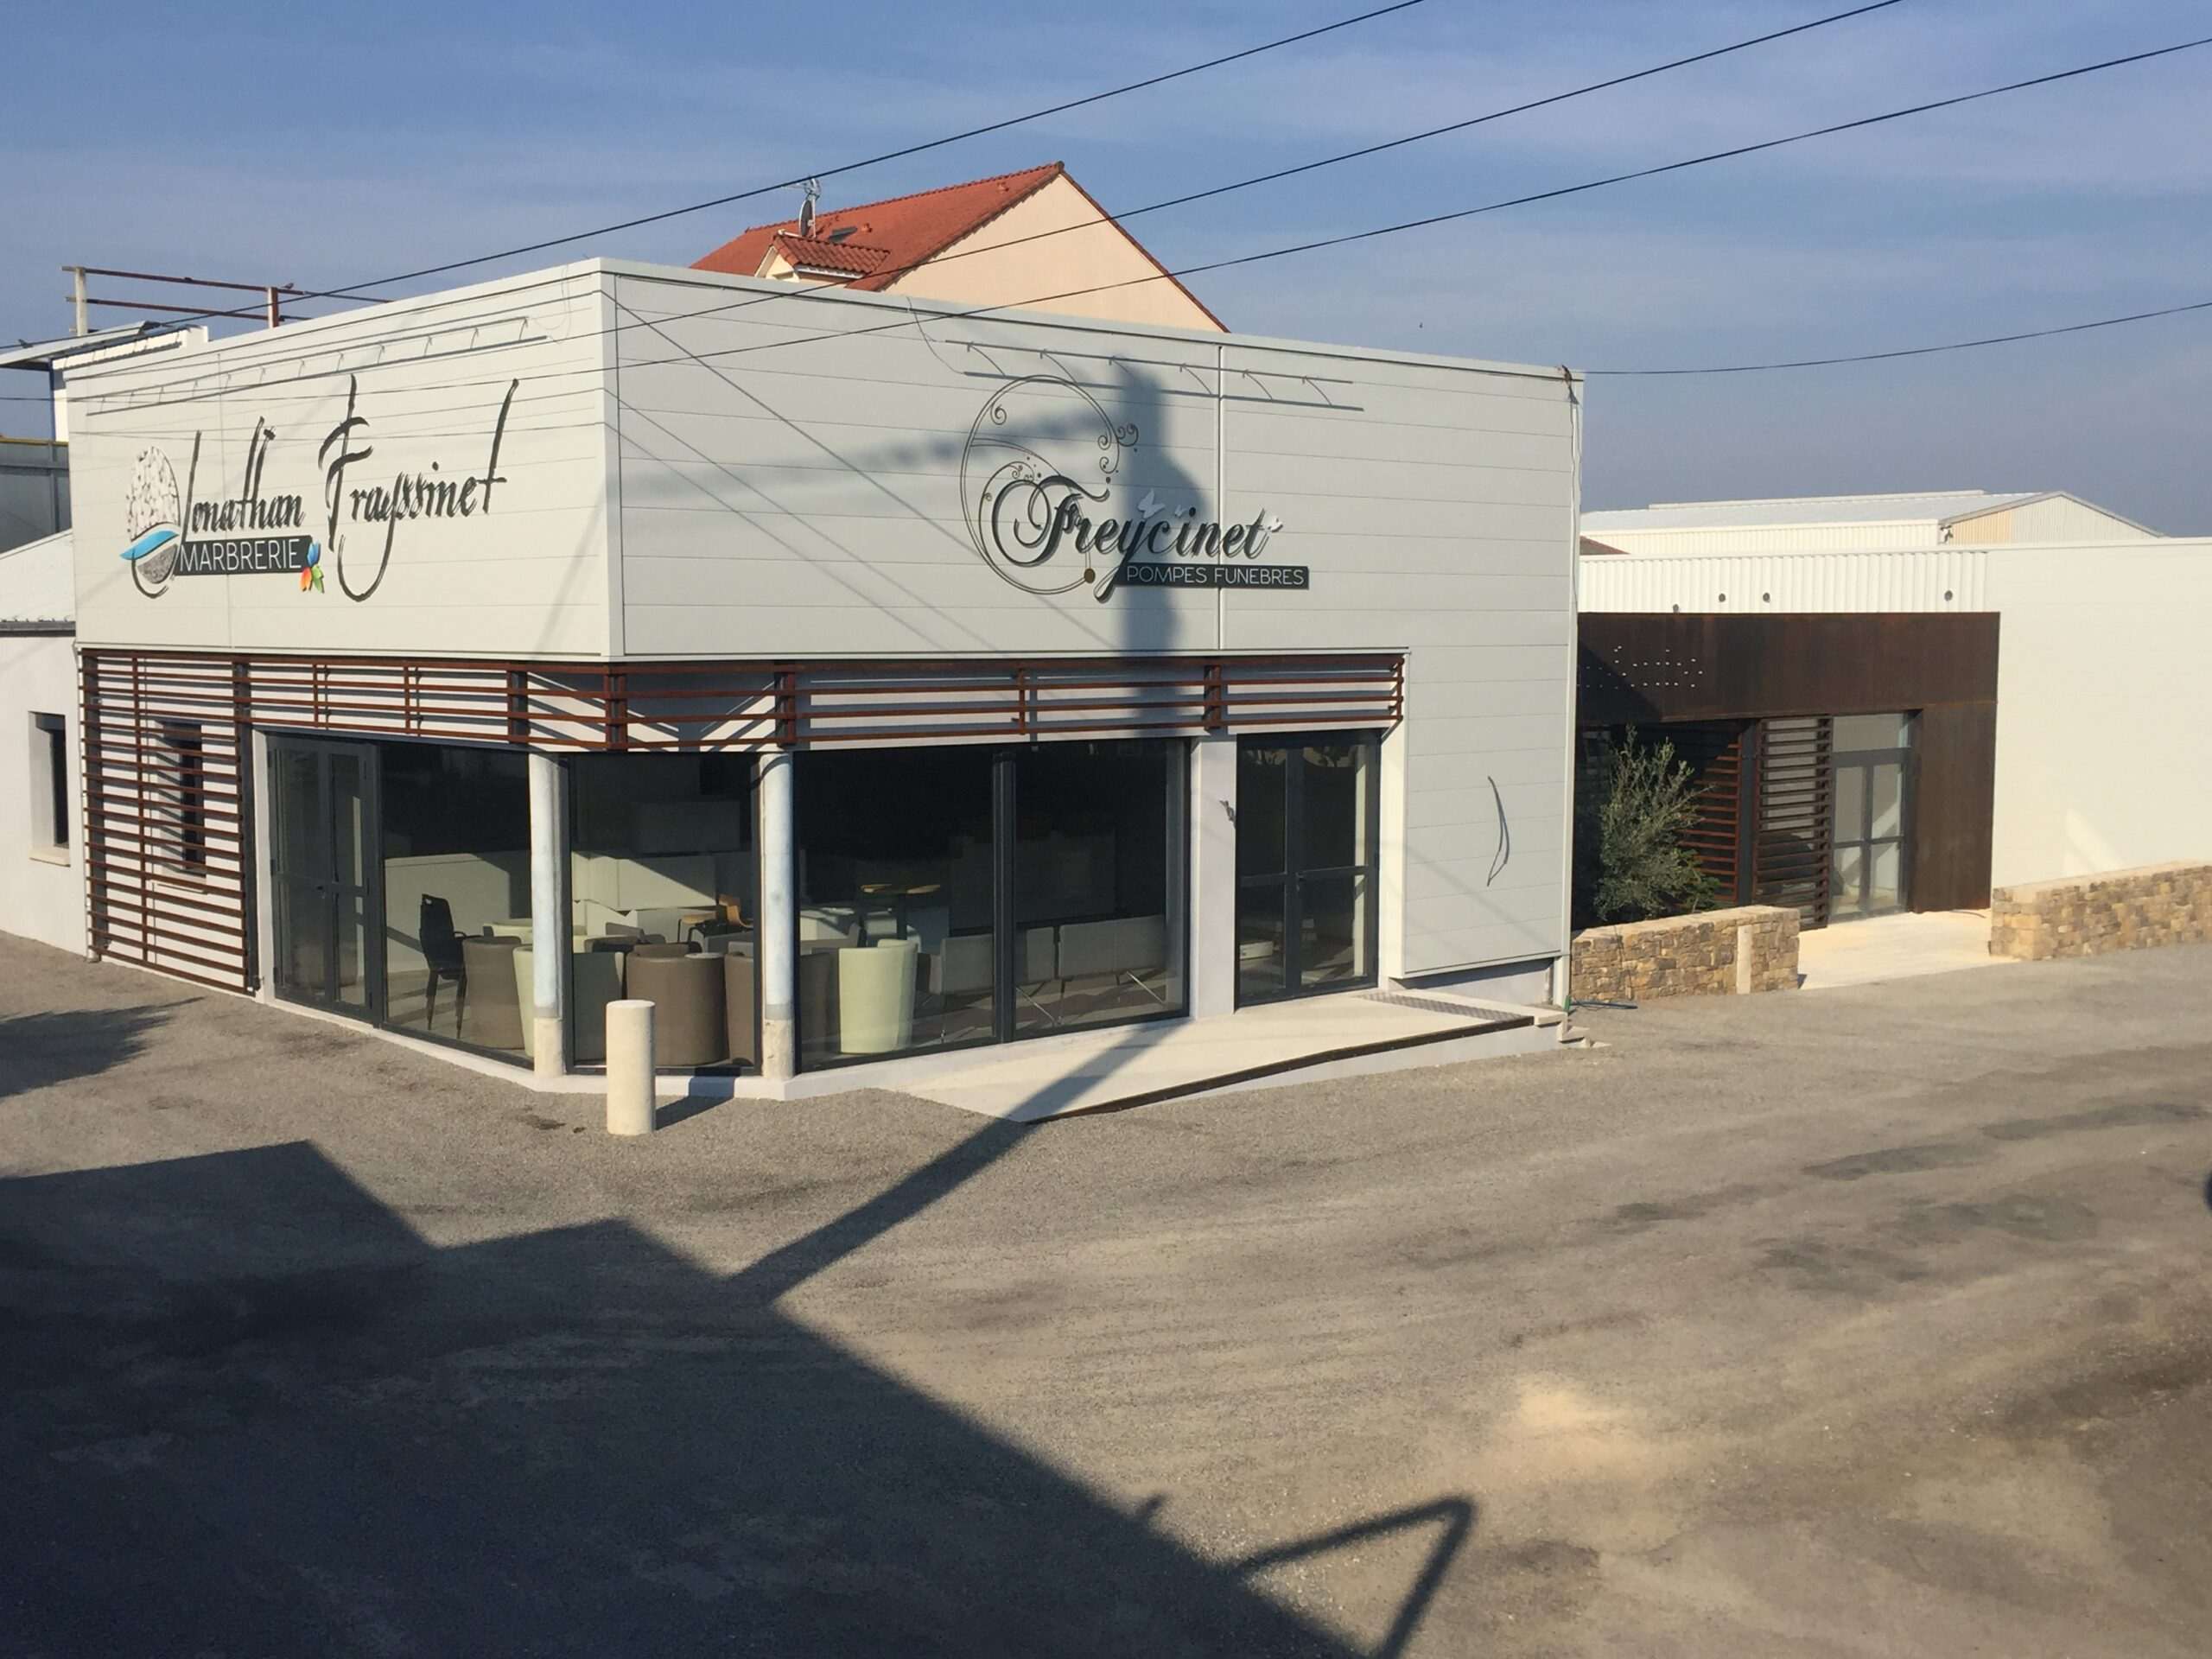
(1291, 1042)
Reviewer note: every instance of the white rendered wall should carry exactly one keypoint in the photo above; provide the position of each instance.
(2103, 707)
(37, 582)
(42, 892)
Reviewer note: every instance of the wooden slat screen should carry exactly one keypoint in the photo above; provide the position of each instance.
(168, 815)
(1714, 753)
(721, 706)
(1796, 792)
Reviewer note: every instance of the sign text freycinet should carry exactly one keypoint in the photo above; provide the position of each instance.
(1039, 469)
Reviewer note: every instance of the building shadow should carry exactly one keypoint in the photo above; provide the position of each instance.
(251, 1411)
(42, 1049)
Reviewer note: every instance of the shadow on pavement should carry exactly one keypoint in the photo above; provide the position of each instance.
(249, 1410)
(37, 1050)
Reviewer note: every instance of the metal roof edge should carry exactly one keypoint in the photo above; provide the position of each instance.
(892, 299)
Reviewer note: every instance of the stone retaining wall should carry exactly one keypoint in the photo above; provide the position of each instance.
(2088, 915)
(1714, 953)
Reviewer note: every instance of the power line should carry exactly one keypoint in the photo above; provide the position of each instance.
(353, 291)
(1411, 139)
(1424, 222)
(1490, 207)
(798, 291)
(1911, 351)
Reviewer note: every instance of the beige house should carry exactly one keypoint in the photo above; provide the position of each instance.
(1033, 240)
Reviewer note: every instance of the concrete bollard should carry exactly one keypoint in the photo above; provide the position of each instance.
(629, 1068)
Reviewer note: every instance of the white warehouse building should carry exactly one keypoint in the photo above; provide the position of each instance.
(2100, 718)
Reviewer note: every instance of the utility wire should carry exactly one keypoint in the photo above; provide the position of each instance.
(1730, 154)
(1123, 215)
(795, 290)
(1910, 351)
(353, 291)
(1557, 194)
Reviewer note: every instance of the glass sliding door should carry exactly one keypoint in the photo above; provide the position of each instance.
(1873, 761)
(963, 895)
(1098, 867)
(323, 798)
(453, 858)
(898, 901)
(1306, 833)
(664, 897)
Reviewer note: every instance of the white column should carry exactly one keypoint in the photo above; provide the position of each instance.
(548, 914)
(1391, 858)
(1213, 876)
(778, 926)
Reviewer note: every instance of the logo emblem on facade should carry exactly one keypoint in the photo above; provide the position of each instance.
(1038, 475)
(174, 535)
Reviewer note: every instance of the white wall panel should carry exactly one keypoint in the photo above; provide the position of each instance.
(2103, 707)
(41, 890)
(426, 382)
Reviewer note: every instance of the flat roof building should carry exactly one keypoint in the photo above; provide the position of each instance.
(855, 677)
(1972, 691)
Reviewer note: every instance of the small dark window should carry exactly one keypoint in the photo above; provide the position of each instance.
(50, 782)
(180, 798)
(841, 233)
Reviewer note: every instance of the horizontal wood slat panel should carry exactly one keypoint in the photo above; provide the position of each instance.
(168, 817)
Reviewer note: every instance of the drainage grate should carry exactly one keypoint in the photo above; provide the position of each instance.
(1439, 1005)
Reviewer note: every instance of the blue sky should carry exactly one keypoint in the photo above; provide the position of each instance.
(327, 147)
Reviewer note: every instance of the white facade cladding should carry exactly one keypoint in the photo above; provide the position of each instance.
(615, 508)
(2101, 715)
(1779, 583)
(1859, 523)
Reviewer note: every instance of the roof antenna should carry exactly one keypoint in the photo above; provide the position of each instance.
(813, 188)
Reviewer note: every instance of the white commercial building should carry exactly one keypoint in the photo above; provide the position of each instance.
(851, 676)
(2101, 752)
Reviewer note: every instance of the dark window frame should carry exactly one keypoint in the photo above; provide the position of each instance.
(1005, 1030)
(1291, 877)
(52, 835)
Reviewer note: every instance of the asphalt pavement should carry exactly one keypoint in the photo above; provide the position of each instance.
(1876, 1323)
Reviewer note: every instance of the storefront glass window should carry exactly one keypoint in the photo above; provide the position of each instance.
(1306, 814)
(1098, 883)
(663, 893)
(456, 894)
(897, 893)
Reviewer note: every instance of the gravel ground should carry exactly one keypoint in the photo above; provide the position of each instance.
(1870, 1324)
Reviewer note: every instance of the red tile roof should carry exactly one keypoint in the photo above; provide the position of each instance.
(822, 253)
(907, 228)
(886, 239)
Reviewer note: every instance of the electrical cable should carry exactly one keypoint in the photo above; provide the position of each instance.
(1908, 350)
(352, 291)
(798, 291)
(1558, 193)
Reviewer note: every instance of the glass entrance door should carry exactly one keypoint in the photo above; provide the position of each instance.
(1305, 834)
(1873, 762)
(323, 796)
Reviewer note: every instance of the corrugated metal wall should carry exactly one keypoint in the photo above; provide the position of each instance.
(1941, 579)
